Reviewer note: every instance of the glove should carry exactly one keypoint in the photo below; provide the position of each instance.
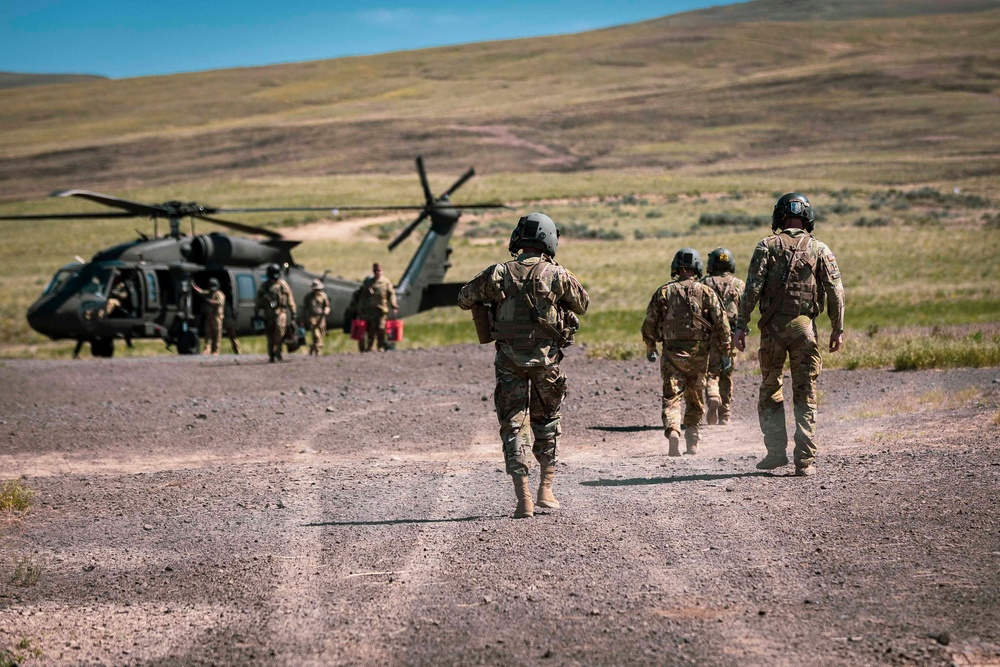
(727, 364)
(651, 356)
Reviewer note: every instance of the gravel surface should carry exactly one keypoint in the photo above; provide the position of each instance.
(354, 510)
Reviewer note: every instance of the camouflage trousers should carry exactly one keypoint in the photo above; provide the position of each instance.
(213, 335)
(317, 327)
(374, 330)
(683, 366)
(796, 340)
(534, 395)
(275, 325)
(719, 385)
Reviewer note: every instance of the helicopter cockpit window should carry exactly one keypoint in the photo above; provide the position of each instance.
(61, 278)
(96, 280)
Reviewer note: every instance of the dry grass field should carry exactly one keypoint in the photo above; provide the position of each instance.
(631, 137)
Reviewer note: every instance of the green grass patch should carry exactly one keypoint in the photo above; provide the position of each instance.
(15, 496)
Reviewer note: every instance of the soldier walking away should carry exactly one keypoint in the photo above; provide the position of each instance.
(373, 302)
(687, 317)
(719, 381)
(275, 300)
(213, 309)
(532, 304)
(317, 308)
(794, 277)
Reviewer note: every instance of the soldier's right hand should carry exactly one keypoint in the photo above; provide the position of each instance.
(740, 340)
(651, 356)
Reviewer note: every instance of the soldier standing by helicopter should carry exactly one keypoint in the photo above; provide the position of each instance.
(373, 302)
(275, 300)
(536, 303)
(729, 288)
(317, 308)
(213, 308)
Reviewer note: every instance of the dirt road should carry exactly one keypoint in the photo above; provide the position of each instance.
(354, 510)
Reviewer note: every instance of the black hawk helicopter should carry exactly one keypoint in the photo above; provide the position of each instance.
(158, 300)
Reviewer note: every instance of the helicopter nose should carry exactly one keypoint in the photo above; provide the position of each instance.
(55, 319)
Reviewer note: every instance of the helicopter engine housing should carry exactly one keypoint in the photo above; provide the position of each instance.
(223, 249)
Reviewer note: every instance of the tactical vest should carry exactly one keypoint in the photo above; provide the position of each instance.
(517, 316)
(801, 294)
(684, 319)
(725, 287)
(276, 297)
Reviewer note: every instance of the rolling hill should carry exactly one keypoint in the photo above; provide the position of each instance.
(888, 92)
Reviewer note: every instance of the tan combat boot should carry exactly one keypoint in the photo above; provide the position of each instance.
(545, 497)
(525, 508)
(674, 438)
(713, 416)
(773, 460)
(691, 438)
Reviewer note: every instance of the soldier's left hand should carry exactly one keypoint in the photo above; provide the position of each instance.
(836, 341)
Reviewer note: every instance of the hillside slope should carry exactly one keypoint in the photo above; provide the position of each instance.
(765, 87)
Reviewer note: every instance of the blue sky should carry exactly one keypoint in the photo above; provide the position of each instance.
(126, 38)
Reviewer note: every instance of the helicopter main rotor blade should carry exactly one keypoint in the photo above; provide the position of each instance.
(428, 196)
(408, 230)
(328, 209)
(240, 227)
(461, 181)
(131, 206)
(70, 216)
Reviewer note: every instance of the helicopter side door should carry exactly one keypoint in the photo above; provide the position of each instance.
(244, 296)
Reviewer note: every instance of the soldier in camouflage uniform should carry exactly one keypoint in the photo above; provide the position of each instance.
(719, 381)
(213, 310)
(794, 277)
(317, 308)
(275, 300)
(373, 302)
(534, 303)
(688, 318)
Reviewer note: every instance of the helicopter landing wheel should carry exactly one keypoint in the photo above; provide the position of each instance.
(189, 343)
(103, 347)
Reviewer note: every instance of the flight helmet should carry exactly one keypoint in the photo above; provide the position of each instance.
(213, 283)
(686, 258)
(793, 205)
(273, 271)
(535, 230)
(720, 261)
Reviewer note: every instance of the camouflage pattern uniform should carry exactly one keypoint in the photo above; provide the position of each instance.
(275, 299)
(719, 383)
(813, 284)
(317, 308)
(373, 300)
(688, 318)
(213, 309)
(529, 383)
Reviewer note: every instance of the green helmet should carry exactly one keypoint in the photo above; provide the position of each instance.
(273, 271)
(720, 261)
(793, 205)
(535, 230)
(686, 258)
(213, 283)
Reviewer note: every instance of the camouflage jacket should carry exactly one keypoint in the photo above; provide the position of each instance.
(275, 295)
(813, 282)
(375, 297)
(686, 310)
(316, 304)
(213, 306)
(729, 289)
(555, 291)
